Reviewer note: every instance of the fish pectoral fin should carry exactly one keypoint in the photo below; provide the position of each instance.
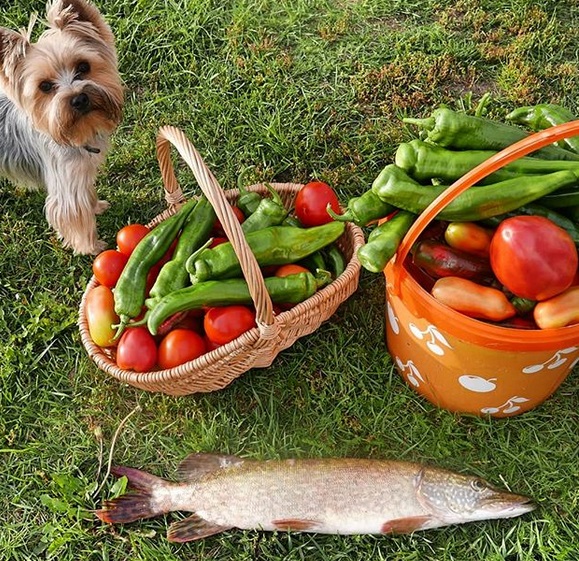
(295, 525)
(193, 528)
(198, 464)
(405, 525)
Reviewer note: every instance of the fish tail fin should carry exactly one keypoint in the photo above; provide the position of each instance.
(137, 504)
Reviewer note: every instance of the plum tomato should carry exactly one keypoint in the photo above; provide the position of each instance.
(533, 257)
(108, 266)
(101, 316)
(180, 346)
(223, 324)
(311, 203)
(129, 236)
(137, 350)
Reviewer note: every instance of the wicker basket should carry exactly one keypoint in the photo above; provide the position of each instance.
(258, 347)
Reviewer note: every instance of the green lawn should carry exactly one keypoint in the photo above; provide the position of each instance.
(283, 90)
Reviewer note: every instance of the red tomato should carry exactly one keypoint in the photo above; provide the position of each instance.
(226, 323)
(100, 316)
(311, 202)
(129, 236)
(218, 228)
(180, 346)
(108, 266)
(137, 350)
(533, 257)
(290, 269)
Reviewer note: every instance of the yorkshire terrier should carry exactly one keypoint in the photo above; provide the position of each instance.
(61, 98)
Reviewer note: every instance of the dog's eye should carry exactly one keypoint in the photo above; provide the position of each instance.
(83, 67)
(45, 86)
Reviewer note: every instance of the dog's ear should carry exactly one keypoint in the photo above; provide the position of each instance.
(13, 49)
(79, 16)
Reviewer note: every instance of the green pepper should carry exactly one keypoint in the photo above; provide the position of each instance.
(287, 290)
(313, 262)
(196, 230)
(248, 201)
(269, 212)
(363, 210)
(543, 116)
(276, 245)
(129, 292)
(335, 260)
(452, 129)
(535, 209)
(424, 161)
(394, 186)
(384, 240)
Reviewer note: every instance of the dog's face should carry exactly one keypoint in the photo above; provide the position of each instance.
(67, 82)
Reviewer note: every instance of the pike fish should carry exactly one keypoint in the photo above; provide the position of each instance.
(332, 496)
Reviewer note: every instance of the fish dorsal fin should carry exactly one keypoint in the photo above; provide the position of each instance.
(196, 465)
(193, 528)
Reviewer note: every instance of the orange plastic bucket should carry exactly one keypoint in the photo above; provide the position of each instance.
(463, 364)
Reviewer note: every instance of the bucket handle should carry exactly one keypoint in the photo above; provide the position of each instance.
(496, 161)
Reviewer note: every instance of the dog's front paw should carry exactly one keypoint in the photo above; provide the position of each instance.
(101, 206)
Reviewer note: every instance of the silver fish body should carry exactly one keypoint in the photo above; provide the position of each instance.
(334, 496)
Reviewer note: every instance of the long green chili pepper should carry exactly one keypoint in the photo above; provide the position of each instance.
(129, 292)
(248, 201)
(269, 212)
(394, 186)
(363, 210)
(453, 129)
(276, 245)
(196, 230)
(313, 262)
(284, 290)
(384, 240)
(335, 260)
(535, 209)
(543, 116)
(424, 161)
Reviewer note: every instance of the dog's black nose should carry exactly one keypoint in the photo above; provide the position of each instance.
(80, 102)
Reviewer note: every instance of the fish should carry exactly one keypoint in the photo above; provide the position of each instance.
(323, 495)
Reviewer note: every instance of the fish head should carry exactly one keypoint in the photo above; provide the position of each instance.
(454, 498)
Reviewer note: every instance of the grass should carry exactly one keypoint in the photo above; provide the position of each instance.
(278, 91)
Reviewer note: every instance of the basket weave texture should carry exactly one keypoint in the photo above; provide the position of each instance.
(258, 347)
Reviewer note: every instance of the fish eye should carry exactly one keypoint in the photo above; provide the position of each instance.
(45, 86)
(478, 485)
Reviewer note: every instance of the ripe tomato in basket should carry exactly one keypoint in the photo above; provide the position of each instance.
(533, 257)
(223, 324)
(180, 346)
(108, 266)
(137, 350)
(129, 236)
(311, 202)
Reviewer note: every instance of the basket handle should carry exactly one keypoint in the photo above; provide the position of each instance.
(168, 135)
(496, 161)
